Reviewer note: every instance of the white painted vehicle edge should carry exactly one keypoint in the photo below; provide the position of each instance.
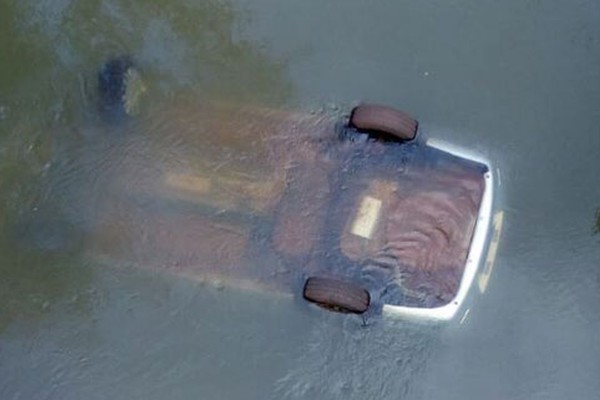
(475, 256)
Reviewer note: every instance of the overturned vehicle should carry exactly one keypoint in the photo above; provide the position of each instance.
(353, 211)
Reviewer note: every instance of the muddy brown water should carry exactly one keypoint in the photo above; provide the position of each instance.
(515, 81)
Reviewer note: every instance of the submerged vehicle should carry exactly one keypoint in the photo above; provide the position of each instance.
(351, 211)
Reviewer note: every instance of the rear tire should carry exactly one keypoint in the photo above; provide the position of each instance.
(337, 295)
(383, 121)
(120, 88)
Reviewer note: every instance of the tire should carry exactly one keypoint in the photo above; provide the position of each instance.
(119, 88)
(384, 121)
(337, 295)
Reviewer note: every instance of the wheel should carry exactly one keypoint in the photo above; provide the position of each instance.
(337, 295)
(384, 121)
(120, 88)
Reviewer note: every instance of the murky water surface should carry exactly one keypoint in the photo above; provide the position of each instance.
(518, 82)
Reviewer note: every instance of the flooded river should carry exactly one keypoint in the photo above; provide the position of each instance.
(516, 81)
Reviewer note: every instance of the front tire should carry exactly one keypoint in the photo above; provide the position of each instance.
(337, 295)
(384, 121)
